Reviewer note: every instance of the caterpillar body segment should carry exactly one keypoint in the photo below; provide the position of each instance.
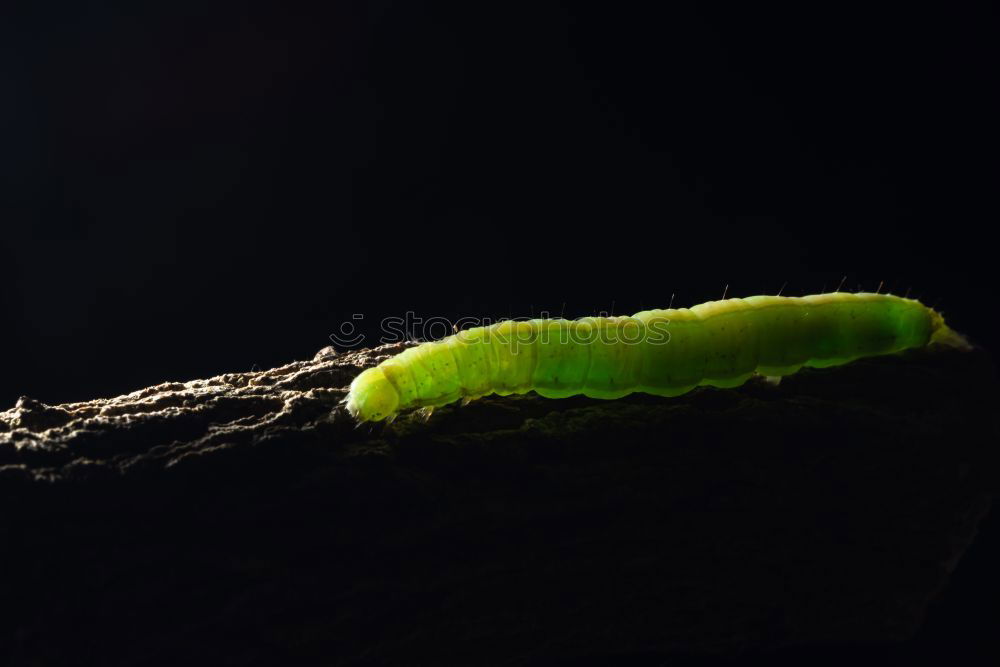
(662, 352)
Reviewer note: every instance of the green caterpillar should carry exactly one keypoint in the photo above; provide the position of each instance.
(661, 352)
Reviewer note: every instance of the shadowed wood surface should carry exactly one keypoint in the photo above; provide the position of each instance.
(246, 519)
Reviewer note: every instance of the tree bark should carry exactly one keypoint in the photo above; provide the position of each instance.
(246, 519)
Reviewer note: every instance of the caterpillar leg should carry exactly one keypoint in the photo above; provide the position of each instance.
(773, 380)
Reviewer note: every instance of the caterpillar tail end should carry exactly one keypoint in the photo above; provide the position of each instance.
(948, 336)
(942, 334)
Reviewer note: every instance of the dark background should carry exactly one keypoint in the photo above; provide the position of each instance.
(188, 189)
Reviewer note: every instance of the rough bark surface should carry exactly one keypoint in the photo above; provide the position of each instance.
(245, 519)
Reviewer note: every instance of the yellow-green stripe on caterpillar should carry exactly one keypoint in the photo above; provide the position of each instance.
(662, 352)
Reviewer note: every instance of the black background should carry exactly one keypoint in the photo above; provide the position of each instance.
(192, 189)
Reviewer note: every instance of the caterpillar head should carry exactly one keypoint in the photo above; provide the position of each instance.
(372, 397)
